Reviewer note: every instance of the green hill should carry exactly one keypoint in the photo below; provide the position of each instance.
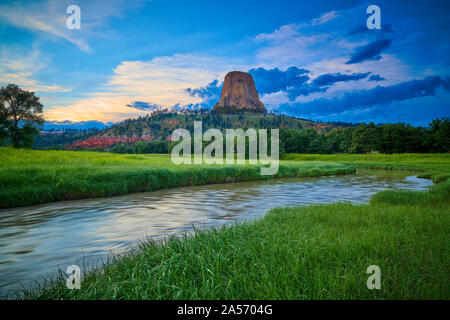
(160, 125)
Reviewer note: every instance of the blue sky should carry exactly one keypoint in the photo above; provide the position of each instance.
(313, 59)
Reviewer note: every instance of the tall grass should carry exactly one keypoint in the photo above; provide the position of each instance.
(30, 177)
(430, 166)
(314, 252)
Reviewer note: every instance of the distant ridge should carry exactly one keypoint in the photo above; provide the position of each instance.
(80, 125)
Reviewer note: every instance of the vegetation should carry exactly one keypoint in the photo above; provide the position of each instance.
(160, 125)
(314, 252)
(296, 135)
(386, 138)
(31, 177)
(430, 166)
(20, 114)
(59, 140)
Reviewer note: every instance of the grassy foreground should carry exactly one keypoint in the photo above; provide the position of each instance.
(30, 177)
(314, 252)
(431, 166)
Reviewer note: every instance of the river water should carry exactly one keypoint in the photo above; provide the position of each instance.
(38, 240)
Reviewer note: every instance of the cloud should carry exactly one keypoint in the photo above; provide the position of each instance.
(369, 51)
(304, 90)
(291, 30)
(373, 97)
(284, 32)
(145, 106)
(295, 83)
(209, 92)
(19, 68)
(328, 16)
(376, 77)
(49, 17)
(100, 107)
(273, 80)
(362, 28)
(135, 86)
(329, 79)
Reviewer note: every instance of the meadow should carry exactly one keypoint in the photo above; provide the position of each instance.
(29, 177)
(313, 252)
(434, 166)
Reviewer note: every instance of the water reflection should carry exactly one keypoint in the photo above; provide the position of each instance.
(38, 239)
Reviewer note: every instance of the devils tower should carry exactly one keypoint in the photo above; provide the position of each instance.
(238, 94)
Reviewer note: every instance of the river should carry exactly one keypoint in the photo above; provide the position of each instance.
(38, 240)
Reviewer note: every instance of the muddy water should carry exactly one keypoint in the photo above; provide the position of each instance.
(40, 239)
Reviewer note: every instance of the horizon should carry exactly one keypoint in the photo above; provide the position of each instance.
(315, 61)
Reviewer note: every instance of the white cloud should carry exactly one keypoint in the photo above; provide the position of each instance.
(49, 18)
(284, 32)
(15, 67)
(161, 81)
(328, 16)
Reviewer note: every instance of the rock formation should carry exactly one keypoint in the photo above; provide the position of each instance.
(238, 94)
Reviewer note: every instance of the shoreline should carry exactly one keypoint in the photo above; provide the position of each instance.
(290, 230)
(76, 176)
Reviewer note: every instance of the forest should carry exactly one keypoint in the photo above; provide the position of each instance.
(365, 138)
(361, 139)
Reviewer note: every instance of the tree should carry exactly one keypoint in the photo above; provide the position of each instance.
(363, 138)
(3, 124)
(23, 112)
(440, 130)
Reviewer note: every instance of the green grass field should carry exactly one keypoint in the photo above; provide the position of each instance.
(431, 166)
(30, 177)
(314, 252)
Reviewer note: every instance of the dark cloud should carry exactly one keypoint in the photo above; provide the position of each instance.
(303, 90)
(146, 106)
(361, 29)
(329, 79)
(294, 82)
(322, 83)
(369, 51)
(373, 97)
(274, 80)
(211, 90)
(209, 93)
(376, 77)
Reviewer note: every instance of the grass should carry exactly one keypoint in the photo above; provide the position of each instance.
(29, 177)
(314, 252)
(430, 166)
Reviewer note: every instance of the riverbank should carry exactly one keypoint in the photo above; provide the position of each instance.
(313, 252)
(29, 177)
(430, 166)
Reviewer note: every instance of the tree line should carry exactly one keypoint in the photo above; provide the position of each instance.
(365, 138)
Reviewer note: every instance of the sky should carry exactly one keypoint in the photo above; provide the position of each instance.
(312, 59)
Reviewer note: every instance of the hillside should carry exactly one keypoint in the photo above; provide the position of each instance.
(159, 126)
